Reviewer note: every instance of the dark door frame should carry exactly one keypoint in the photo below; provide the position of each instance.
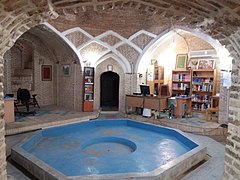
(109, 91)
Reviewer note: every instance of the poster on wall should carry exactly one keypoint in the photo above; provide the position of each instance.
(206, 64)
(150, 72)
(226, 79)
(193, 63)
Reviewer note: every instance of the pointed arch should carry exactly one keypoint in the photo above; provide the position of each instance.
(123, 63)
(140, 67)
(69, 43)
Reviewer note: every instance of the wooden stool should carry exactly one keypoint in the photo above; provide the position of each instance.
(211, 112)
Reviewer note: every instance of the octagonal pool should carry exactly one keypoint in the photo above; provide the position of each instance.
(108, 149)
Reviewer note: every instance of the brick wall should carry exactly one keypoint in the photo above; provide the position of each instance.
(232, 150)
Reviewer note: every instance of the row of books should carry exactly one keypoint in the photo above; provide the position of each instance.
(204, 87)
(201, 98)
(202, 80)
(200, 107)
(181, 86)
(181, 77)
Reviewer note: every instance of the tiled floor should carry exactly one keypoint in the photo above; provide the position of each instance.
(52, 116)
(45, 117)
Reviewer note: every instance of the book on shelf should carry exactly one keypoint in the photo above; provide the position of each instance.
(88, 88)
(88, 97)
(175, 86)
(88, 80)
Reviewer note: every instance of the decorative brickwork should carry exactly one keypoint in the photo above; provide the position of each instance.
(110, 40)
(128, 52)
(142, 40)
(77, 38)
(98, 50)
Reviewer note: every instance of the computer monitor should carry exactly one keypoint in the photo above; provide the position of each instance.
(145, 90)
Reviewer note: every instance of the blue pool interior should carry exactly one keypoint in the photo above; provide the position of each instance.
(107, 147)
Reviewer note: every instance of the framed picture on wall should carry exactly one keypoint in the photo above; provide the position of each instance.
(181, 61)
(206, 64)
(46, 72)
(66, 70)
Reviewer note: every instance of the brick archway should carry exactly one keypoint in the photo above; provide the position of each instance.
(221, 20)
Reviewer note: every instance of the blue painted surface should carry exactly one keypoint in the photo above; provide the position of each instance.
(107, 147)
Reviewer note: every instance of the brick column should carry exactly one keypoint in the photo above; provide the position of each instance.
(3, 172)
(232, 150)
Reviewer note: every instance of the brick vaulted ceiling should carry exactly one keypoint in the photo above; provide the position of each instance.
(218, 18)
(215, 17)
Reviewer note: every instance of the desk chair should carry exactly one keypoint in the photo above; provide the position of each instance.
(164, 90)
(172, 104)
(24, 99)
(211, 112)
(214, 109)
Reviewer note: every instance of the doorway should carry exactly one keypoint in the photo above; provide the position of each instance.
(109, 91)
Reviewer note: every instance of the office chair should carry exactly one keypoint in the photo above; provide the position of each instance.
(164, 90)
(24, 99)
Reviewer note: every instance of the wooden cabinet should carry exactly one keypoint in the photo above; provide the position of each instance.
(155, 78)
(88, 89)
(181, 79)
(203, 88)
(183, 107)
(9, 115)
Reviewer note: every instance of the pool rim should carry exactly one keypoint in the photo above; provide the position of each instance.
(19, 154)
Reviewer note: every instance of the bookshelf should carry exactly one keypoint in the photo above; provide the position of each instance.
(203, 88)
(157, 78)
(88, 89)
(181, 79)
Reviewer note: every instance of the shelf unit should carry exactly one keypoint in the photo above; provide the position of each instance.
(181, 79)
(203, 88)
(88, 89)
(157, 79)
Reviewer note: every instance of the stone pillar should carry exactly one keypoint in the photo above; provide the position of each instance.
(232, 150)
(3, 172)
(224, 103)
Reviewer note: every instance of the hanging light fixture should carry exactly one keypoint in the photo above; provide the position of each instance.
(110, 67)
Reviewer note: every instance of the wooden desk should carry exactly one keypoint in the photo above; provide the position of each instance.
(158, 103)
(181, 102)
(134, 101)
